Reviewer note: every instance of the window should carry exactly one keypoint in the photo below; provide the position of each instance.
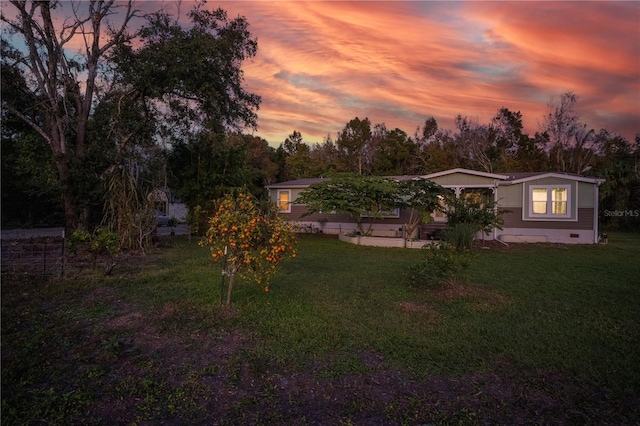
(383, 214)
(284, 201)
(438, 215)
(550, 201)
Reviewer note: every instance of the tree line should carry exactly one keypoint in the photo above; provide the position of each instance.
(88, 133)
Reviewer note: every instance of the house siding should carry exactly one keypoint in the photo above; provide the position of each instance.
(510, 196)
(585, 195)
(462, 179)
(516, 230)
(513, 219)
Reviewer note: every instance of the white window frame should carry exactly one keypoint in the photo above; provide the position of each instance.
(549, 211)
(284, 191)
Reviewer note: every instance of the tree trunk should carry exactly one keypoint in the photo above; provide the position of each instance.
(70, 216)
(232, 276)
(69, 204)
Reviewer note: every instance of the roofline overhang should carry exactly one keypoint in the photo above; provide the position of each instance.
(466, 171)
(585, 179)
(284, 185)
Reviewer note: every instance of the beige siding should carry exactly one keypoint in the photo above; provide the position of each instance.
(510, 196)
(513, 219)
(551, 181)
(295, 193)
(585, 195)
(461, 179)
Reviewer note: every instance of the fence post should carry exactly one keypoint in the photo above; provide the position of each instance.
(44, 261)
(63, 257)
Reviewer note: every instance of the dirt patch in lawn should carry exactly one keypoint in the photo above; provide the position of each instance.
(493, 245)
(483, 298)
(427, 311)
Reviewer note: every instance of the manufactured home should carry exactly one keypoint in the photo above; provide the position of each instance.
(542, 207)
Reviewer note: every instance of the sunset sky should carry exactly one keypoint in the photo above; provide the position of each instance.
(320, 64)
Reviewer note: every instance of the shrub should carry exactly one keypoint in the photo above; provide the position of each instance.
(442, 264)
(461, 236)
(101, 242)
(76, 240)
(105, 242)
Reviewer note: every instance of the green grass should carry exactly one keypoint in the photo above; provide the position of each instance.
(547, 332)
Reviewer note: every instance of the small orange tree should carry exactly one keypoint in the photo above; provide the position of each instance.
(248, 239)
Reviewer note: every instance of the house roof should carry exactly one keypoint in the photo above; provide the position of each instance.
(303, 183)
(467, 172)
(506, 178)
(523, 177)
(297, 183)
(512, 178)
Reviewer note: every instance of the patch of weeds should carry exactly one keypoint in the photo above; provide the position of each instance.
(464, 417)
(407, 412)
(340, 365)
(94, 372)
(149, 393)
(212, 370)
(361, 404)
(51, 405)
(115, 346)
(245, 411)
(189, 402)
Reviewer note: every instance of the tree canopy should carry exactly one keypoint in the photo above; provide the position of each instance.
(371, 197)
(125, 89)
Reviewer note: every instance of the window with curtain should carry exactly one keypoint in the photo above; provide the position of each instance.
(284, 198)
(549, 201)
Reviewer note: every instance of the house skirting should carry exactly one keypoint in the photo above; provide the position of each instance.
(507, 235)
(541, 235)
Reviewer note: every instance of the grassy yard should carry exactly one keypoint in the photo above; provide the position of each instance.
(541, 334)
